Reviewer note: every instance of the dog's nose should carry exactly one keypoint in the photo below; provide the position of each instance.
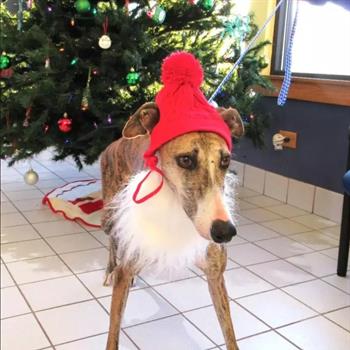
(222, 231)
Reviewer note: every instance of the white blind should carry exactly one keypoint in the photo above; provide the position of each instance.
(322, 38)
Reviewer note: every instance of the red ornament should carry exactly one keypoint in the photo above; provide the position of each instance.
(6, 73)
(65, 123)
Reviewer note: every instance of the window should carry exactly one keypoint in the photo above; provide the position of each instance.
(321, 43)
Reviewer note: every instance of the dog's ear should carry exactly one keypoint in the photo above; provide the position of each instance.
(233, 120)
(142, 121)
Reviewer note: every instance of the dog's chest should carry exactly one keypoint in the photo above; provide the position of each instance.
(156, 232)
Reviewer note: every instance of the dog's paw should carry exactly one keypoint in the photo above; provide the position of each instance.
(109, 279)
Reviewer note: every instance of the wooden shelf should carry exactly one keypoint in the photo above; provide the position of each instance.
(314, 90)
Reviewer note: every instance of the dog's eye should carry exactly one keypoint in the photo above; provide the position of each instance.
(225, 162)
(186, 162)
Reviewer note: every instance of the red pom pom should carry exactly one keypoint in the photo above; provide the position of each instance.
(181, 68)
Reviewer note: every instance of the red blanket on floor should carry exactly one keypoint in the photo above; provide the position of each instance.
(78, 201)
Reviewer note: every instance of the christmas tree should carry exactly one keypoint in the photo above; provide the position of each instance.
(71, 72)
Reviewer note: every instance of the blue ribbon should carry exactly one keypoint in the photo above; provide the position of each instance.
(282, 97)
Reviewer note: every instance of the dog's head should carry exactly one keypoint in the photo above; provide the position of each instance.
(195, 165)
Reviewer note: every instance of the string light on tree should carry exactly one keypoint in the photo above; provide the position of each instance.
(74, 61)
(251, 93)
(51, 5)
(247, 119)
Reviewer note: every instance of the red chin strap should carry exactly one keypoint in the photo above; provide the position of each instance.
(152, 164)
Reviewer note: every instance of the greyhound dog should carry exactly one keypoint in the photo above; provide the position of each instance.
(191, 214)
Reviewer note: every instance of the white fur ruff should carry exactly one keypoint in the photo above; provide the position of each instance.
(157, 232)
(231, 182)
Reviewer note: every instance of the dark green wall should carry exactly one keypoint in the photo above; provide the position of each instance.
(322, 145)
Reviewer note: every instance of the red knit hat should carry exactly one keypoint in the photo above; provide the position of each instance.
(183, 109)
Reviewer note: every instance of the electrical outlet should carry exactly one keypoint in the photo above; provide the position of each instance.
(291, 139)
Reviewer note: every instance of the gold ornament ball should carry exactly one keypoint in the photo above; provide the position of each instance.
(31, 177)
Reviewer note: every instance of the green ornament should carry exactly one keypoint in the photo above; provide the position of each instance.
(5, 61)
(82, 6)
(206, 5)
(133, 78)
(157, 14)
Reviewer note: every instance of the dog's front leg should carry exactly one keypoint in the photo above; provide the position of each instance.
(123, 277)
(214, 267)
(112, 263)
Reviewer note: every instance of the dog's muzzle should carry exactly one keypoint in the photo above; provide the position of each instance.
(222, 231)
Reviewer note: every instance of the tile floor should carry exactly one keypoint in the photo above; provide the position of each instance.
(280, 277)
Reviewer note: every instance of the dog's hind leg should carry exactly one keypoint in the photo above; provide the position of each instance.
(214, 267)
(123, 277)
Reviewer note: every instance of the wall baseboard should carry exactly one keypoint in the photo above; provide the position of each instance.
(310, 198)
